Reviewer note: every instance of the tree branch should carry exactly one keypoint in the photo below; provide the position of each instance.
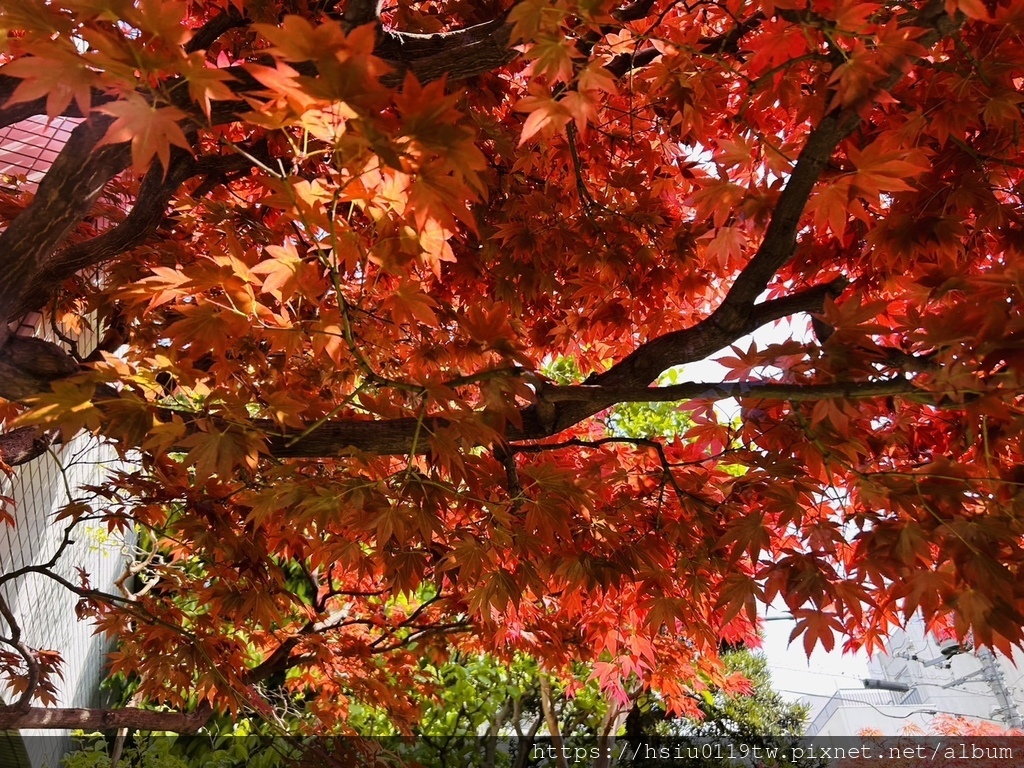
(80, 172)
(631, 376)
(737, 314)
(395, 436)
(208, 34)
(145, 216)
(779, 243)
(359, 12)
(36, 718)
(558, 408)
(650, 360)
(734, 318)
(65, 196)
(768, 390)
(459, 54)
(24, 702)
(20, 446)
(634, 11)
(28, 365)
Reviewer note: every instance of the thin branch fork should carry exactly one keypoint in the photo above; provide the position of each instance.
(24, 702)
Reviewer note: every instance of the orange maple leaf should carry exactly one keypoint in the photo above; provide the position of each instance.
(151, 130)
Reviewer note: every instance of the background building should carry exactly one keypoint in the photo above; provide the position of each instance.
(939, 677)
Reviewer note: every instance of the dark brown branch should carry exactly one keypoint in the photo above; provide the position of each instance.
(554, 411)
(395, 436)
(65, 196)
(28, 365)
(514, 485)
(766, 390)
(627, 62)
(779, 243)
(143, 219)
(211, 31)
(729, 41)
(37, 718)
(80, 172)
(634, 11)
(648, 362)
(360, 12)
(24, 702)
(459, 54)
(20, 446)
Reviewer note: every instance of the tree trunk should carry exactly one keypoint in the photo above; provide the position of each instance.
(551, 719)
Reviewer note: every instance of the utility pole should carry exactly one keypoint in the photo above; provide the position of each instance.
(993, 675)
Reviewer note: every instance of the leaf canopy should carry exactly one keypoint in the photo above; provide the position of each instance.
(335, 249)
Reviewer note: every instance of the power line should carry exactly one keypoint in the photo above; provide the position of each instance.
(895, 717)
(813, 672)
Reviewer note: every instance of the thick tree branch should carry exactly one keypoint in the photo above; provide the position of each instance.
(28, 365)
(65, 196)
(80, 172)
(634, 11)
(359, 12)
(695, 343)
(395, 436)
(723, 390)
(735, 316)
(37, 718)
(211, 31)
(558, 408)
(551, 416)
(457, 54)
(20, 446)
(145, 216)
(627, 62)
(779, 243)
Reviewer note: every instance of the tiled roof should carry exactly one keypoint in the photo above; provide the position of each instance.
(28, 148)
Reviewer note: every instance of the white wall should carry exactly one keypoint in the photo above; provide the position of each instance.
(44, 608)
(961, 684)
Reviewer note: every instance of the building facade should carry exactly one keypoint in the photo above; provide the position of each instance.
(35, 494)
(919, 677)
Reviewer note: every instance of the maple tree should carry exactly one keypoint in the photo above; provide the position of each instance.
(983, 743)
(488, 714)
(334, 245)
